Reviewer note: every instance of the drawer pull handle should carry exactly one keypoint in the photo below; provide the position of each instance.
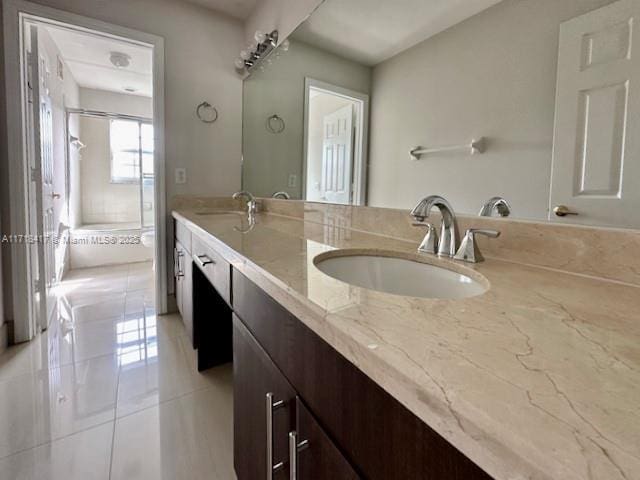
(294, 448)
(204, 260)
(270, 407)
(180, 271)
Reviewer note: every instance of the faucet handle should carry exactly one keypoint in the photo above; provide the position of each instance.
(430, 242)
(468, 251)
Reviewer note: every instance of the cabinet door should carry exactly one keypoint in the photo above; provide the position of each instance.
(187, 295)
(263, 410)
(312, 453)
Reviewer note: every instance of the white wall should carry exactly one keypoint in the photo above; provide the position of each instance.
(492, 75)
(103, 201)
(281, 15)
(270, 158)
(113, 102)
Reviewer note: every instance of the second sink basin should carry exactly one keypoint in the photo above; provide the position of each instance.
(399, 276)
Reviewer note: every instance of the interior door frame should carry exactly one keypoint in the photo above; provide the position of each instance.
(15, 12)
(361, 141)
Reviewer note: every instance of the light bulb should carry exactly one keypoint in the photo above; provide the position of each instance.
(245, 54)
(260, 36)
(239, 64)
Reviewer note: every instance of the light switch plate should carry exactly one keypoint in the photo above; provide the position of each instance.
(293, 180)
(181, 175)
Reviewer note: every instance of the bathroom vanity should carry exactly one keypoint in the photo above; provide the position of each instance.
(332, 380)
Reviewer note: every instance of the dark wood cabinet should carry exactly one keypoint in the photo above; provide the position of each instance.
(374, 432)
(262, 400)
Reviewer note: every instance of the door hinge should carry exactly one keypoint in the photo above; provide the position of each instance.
(33, 174)
(36, 284)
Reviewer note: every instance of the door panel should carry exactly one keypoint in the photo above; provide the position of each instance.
(596, 159)
(48, 198)
(42, 196)
(337, 156)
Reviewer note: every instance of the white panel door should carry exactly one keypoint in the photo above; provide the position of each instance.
(596, 154)
(337, 156)
(41, 163)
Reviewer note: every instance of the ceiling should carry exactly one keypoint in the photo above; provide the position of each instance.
(240, 9)
(87, 57)
(371, 31)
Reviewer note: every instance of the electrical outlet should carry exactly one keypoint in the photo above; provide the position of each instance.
(181, 175)
(293, 180)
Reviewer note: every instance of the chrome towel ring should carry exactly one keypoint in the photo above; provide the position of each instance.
(206, 112)
(275, 124)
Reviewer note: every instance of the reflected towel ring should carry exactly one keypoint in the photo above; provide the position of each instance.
(275, 124)
(206, 112)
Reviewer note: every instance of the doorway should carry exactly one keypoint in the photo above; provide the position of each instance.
(335, 144)
(90, 151)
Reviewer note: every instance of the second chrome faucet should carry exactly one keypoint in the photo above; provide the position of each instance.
(446, 244)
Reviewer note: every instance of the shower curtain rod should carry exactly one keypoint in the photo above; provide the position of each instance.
(100, 114)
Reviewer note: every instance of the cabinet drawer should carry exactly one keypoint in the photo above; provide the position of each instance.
(215, 268)
(183, 234)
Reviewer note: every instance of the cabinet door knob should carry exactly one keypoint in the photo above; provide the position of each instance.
(294, 448)
(563, 211)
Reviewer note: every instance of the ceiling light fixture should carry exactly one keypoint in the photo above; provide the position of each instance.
(120, 59)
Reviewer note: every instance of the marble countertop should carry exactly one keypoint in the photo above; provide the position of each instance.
(538, 378)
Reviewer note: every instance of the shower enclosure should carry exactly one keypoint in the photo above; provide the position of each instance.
(114, 189)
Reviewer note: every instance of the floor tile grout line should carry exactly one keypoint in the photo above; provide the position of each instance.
(115, 418)
(71, 363)
(162, 402)
(49, 442)
(56, 367)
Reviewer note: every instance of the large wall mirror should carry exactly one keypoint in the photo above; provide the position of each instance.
(380, 103)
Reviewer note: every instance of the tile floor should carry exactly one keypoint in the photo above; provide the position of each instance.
(111, 391)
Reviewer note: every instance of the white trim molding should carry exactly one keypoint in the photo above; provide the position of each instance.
(14, 14)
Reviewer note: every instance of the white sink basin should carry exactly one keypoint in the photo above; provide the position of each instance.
(399, 276)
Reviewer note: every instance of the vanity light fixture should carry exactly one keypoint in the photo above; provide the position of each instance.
(263, 45)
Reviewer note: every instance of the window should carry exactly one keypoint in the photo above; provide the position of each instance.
(130, 141)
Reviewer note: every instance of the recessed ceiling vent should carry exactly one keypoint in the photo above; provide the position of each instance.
(120, 59)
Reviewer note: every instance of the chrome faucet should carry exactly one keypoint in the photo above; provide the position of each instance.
(447, 244)
(498, 204)
(251, 204)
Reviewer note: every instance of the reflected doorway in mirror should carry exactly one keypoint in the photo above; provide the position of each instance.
(335, 143)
